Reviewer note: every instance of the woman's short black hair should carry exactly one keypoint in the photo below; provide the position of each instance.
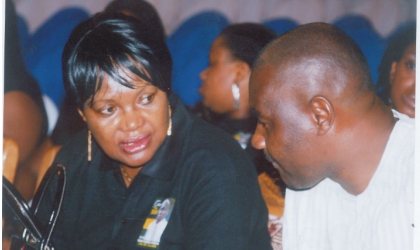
(140, 9)
(393, 53)
(107, 42)
(246, 40)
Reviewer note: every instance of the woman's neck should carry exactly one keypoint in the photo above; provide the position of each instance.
(238, 115)
(129, 174)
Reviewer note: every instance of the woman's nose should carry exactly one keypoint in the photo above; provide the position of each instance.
(258, 140)
(132, 120)
(203, 74)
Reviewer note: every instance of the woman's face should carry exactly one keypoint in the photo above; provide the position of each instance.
(403, 82)
(218, 79)
(128, 124)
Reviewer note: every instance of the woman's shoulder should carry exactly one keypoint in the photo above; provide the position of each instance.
(74, 151)
(214, 148)
(208, 136)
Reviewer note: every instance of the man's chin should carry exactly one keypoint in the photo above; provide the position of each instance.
(298, 186)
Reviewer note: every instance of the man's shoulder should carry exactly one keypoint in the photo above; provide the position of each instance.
(400, 146)
(404, 122)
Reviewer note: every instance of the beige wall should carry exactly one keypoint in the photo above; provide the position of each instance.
(384, 14)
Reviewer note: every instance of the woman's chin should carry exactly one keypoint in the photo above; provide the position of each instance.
(134, 160)
(133, 164)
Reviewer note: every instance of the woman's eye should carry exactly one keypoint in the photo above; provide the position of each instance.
(108, 110)
(147, 99)
(410, 65)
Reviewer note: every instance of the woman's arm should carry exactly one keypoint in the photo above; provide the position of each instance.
(22, 122)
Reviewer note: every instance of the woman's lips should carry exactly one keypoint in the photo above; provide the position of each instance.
(410, 100)
(134, 145)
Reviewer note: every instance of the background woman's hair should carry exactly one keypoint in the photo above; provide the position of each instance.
(246, 40)
(139, 9)
(393, 53)
(107, 42)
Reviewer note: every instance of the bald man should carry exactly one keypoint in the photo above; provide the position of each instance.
(347, 158)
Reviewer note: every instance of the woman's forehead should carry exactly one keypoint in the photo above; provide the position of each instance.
(112, 88)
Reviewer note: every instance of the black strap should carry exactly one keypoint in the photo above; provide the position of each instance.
(32, 234)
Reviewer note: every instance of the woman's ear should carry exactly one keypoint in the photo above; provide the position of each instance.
(322, 113)
(392, 72)
(82, 115)
(243, 72)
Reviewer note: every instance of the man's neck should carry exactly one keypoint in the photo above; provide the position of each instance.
(364, 149)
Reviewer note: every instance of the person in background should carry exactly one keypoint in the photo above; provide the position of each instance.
(141, 10)
(225, 92)
(142, 146)
(25, 118)
(346, 157)
(397, 73)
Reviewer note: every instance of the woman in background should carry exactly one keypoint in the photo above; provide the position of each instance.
(397, 73)
(141, 10)
(225, 92)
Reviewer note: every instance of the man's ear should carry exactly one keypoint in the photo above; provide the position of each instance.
(82, 115)
(392, 72)
(323, 115)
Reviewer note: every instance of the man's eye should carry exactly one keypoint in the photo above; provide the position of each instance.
(147, 99)
(262, 123)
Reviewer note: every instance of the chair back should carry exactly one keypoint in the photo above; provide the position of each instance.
(10, 159)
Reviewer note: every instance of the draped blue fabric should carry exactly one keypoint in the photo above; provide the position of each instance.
(42, 51)
(189, 45)
(281, 25)
(370, 42)
(23, 32)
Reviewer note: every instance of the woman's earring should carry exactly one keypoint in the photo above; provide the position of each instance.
(236, 95)
(169, 132)
(89, 146)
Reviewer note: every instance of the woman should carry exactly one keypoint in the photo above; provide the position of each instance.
(225, 92)
(69, 122)
(397, 73)
(142, 148)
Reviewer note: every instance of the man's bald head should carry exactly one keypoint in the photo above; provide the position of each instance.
(312, 93)
(323, 46)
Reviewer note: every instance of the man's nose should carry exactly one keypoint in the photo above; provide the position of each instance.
(258, 140)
